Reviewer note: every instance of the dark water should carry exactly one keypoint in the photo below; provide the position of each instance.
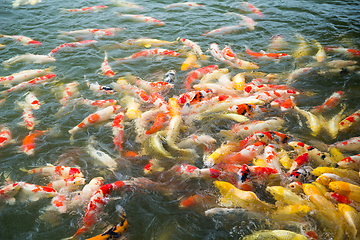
(153, 214)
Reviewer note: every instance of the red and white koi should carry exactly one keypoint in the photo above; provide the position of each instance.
(272, 158)
(97, 33)
(100, 89)
(118, 131)
(80, 44)
(352, 162)
(70, 92)
(351, 144)
(217, 54)
(33, 192)
(28, 84)
(86, 9)
(32, 101)
(142, 18)
(152, 87)
(194, 97)
(347, 51)
(85, 194)
(28, 144)
(22, 39)
(98, 103)
(252, 8)
(184, 5)
(28, 117)
(5, 136)
(194, 46)
(197, 74)
(330, 102)
(138, 92)
(190, 171)
(247, 21)
(95, 118)
(349, 121)
(223, 30)
(67, 184)
(266, 56)
(160, 52)
(57, 172)
(105, 67)
(246, 155)
(298, 73)
(28, 58)
(24, 75)
(268, 96)
(8, 192)
(97, 203)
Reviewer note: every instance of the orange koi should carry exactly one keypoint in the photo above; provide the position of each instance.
(28, 144)
(330, 102)
(158, 123)
(203, 200)
(148, 54)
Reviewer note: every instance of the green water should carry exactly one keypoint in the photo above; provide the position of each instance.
(151, 214)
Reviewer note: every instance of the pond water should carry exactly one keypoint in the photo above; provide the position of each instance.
(154, 214)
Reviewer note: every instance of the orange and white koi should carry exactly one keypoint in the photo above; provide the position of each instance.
(28, 84)
(97, 203)
(152, 87)
(277, 43)
(118, 131)
(347, 51)
(246, 155)
(79, 44)
(97, 33)
(33, 192)
(197, 74)
(98, 103)
(298, 73)
(86, 9)
(32, 101)
(228, 53)
(85, 194)
(190, 171)
(194, 46)
(183, 5)
(138, 92)
(248, 110)
(190, 62)
(105, 67)
(57, 172)
(200, 200)
(242, 64)
(5, 136)
(247, 21)
(69, 93)
(24, 75)
(159, 121)
(272, 157)
(160, 52)
(67, 184)
(28, 117)
(252, 8)
(266, 56)
(28, 58)
(349, 121)
(330, 102)
(8, 192)
(351, 144)
(28, 144)
(22, 39)
(217, 54)
(100, 89)
(268, 96)
(142, 18)
(194, 97)
(223, 30)
(95, 118)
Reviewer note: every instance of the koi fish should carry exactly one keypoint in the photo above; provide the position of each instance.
(298, 73)
(28, 58)
(252, 8)
(69, 93)
(246, 155)
(138, 92)
(277, 43)
(148, 54)
(85, 194)
(97, 202)
(152, 87)
(190, 171)
(248, 110)
(197, 74)
(320, 55)
(247, 21)
(8, 192)
(97, 117)
(266, 56)
(303, 48)
(118, 131)
(101, 157)
(68, 184)
(349, 121)
(276, 234)
(184, 5)
(79, 44)
(57, 172)
(5, 136)
(194, 46)
(33, 192)
(97, 33)
(312, 121)
(32, 101)
(100, 89)
(28, 84)
(351, 217)
(132, 107)
(22, 39)
(158, 123)
(223, 30)
(145, 42)
(142, 18)
(347, 51)
(339, 63)
(28, 144)
(202, 200)
(105, 67)
(28, 117)
(98, 103)
(330, 102)
(351, 144)
(170, 76)
(190, 62)
(127, 5)
(85, 9)
(215, 74)
(349, 190)
(24, 75)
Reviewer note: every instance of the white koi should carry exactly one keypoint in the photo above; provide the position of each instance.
(194, 46)
(28, 58)
(247, 21)
(142, 18)
(351, 144)
(101, 157)
(183, 5)
(223, 30)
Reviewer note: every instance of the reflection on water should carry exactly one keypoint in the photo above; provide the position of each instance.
(152, 207)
